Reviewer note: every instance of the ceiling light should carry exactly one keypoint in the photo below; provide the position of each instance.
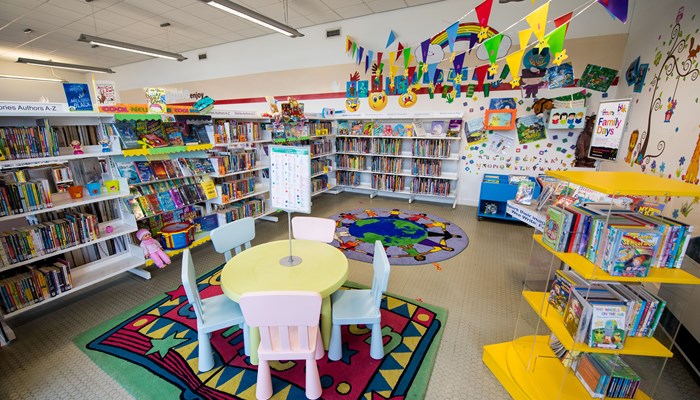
(253, 16)
(30, 78)
(131, 47)
(74, 67)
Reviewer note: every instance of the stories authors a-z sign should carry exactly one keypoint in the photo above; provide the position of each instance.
(609, 128)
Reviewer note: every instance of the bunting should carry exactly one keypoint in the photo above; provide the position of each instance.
(368, 60)
(555, 39)
(472, 42)
(432, 68)
(410, 71)
(424, 49)
(359, 54)
(481, 72)
(513, 61)
(390, 40)
(492, 46)
(616, 8)
(524, 37)
(354, 48)
(379, 57)
(452, 35)
(348, 44)
(399, 51)
(407, 57)
(483, 12)
(563, 20)
(458, 63)
(538, 20)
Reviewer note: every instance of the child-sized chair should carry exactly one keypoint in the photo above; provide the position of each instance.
(213, 313)
(235, 236)
(353, 307)
(288, 322)
(313, 228)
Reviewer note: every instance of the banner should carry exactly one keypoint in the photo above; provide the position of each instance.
(609, 128)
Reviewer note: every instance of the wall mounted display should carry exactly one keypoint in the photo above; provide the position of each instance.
(567, 118)
(608, 130)
(530, 129)
(597, 78)
(500, 119)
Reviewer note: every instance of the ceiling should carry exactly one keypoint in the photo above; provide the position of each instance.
(56, 25)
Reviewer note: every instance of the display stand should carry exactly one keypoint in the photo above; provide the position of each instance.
(290, 191)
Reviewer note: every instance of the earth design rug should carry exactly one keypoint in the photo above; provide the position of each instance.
(408, 237)
(152, 352)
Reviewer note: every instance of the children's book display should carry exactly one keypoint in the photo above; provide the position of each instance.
(603, 303)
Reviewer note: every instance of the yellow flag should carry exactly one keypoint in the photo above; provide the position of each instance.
(514, 60)
(538, 20)
(524, 36)
(392, 56)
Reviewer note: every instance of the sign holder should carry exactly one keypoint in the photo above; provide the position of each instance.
(609, 128)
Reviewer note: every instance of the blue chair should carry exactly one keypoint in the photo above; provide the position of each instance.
(213, 313)
(235, 236)
(354, 307)
(313, 228)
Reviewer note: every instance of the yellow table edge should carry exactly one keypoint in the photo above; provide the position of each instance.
(628, 183)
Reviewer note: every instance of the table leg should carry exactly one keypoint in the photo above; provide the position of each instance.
(326, 321)
(254, 344)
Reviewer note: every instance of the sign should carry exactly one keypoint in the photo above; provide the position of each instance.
(290, 178)
(608, 130)
(77, 96)
(143, 109)
(12, 107)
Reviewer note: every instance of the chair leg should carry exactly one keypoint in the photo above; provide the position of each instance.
(246, 339)
(263, 388)
(335, 350)
(376, 349)
(206, 357)
(313, 381)
(319, 346)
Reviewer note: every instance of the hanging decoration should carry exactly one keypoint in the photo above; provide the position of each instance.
(616, 8)
(483, 13)
(524, 37)
(514, 60)
(451, 32)
(555, 41)
(390, 40)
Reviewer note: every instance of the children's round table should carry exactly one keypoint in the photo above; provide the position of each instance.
(319, 267)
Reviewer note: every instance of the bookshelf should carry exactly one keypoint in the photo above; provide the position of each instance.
(497, 191)
(89, 236)
(400, 155)
(528, 367)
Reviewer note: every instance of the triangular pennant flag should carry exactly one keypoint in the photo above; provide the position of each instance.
(379, 57)
(390, 40)
(392, 56)
(458, 63)
(420, 70)
(436, 77)
(616, 8)
(481, 72)
(538, 20)
(359, 54)
(368, 60)
(431, 72)
(411, 71)
(483, 12)
(472, 41)
(524, 37)
(354, 48)
(424, 49)
(407, 57)
(452, 35)
(492, 46)
(563, 20)
(348, 44)
(394, 70)
(514, 60)
(555, 39)
(399, 51)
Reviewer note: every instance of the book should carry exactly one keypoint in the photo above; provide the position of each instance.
(135, 207)
(560, 290)
(166, 201)
(127, 170)
(177, 198)
(172, 168)
(438, 128)
(145, 206)
(526, 190)
(154, 140)
(189, 136)
(143, 169)
(173, 131)
(159, 170)
(631, 252)
(454, 128)
(608, 323)
(209, 188)
(553, 226)
(200, 132)
(126, 134)
(155, 203)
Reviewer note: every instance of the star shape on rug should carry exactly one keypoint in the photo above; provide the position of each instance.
(347, 354)
(162, 346)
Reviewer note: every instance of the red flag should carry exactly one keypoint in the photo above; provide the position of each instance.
(399, 51)
(379, 57)
(483, 12)
(411, 72)
(562, 20)
(481, 72)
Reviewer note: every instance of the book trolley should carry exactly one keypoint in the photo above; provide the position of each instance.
(546, 359)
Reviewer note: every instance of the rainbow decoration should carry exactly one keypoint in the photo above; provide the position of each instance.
(464, 33)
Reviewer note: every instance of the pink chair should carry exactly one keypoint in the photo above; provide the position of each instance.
(313, 228)
(288, 322)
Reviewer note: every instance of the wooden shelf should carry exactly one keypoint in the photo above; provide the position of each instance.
(639, 346)
(590, 271)
(546, 379)
(166, 150)
(628, 183)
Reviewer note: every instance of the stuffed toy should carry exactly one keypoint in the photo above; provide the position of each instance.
(152, 249)
(583, 143)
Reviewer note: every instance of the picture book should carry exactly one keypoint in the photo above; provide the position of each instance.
(526, 190)
(158, 169)
(566, 356)
(209, 188)
(200, 132)
(127, 170)
(607, 329)
(573, 313)
(544, 197)
(454, 128)
(173, 131)
(438, 128)
(184, 167)
(558, 76)
(419, 129)
(189, 136)
(143, 169)
(530, 129)
(632, 251)
(172, 169)
(135, 208)
(591, 376)
(146, 206)
(650, 208)
(207, 166)
(77, 96)
(155, 204)
(368, 129)
(560, 290)
(516, 179)
(154, 140)
(177, 199)
(597, 78)
(553, 227)
(126, 134)
(166, 201)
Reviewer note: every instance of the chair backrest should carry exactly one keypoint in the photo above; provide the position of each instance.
(189, 282)
(382, 268)
(313, 228)
(235, 236)
(278, 313)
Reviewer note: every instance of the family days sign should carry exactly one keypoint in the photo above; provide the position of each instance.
(608, 130)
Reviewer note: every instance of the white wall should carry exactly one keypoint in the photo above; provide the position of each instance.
(23, 90)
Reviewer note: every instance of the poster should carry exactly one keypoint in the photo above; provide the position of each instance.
(77, 96)
(155, 98)
(290, 178)
(567, 118)
(558, 76)
(597, 78)
(105, 93)
(530, 129)
(608, 130)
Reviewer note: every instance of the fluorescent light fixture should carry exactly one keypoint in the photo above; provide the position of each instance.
(253, 16)
(30, 78)
(75, 67)
(114, 44)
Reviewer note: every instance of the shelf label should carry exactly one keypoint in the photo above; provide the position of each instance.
(14, 107)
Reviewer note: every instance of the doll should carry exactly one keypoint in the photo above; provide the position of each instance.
(77, 148)
(152, 249)
(105, 145)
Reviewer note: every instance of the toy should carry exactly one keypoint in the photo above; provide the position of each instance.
(77, 148)
(583, 143)
(105, 145)
(109, 229)
(152, 249)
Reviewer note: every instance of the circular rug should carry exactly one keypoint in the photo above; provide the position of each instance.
(409, 238)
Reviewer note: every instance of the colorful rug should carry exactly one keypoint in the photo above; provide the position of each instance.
(152, 352)
(409, 238)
